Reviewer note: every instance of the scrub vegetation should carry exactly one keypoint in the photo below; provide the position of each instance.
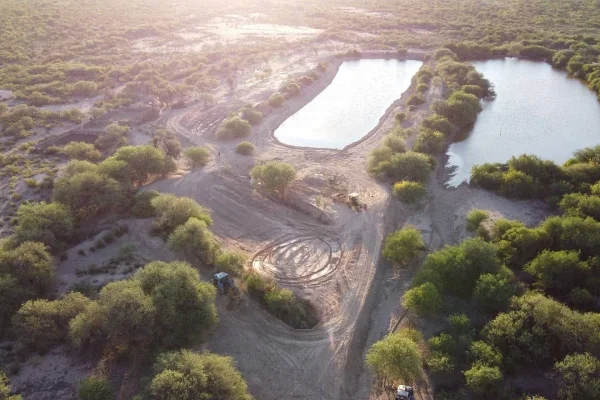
(509, 303)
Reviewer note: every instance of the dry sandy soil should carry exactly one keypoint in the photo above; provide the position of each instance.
(336, 265)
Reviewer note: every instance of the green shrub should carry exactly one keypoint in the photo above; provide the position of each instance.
(142, 204)
(410, 166)
(187, 375)
(254, 117)
(456, 269)
(431, 142)
(400, 117)
(274, 176)
(42, 324)
(409, 192)
(95, 388)
(233, 128)
(197, 156)
(415, 99)
(475, 218)
(438, 123)
(396, 357)
(231, 262)
(172, 211)
(403, 246)
(245, 148)
(81, 151)
(49, 223)
(422, 87)
(194, 239)
(423, 300)
(276, 100)
(483, 378)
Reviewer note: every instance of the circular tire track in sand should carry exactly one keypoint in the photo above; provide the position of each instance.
(300, 260)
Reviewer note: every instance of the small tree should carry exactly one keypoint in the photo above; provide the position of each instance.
(42, 324)
(81, 151)
(5, 388)
(48, 223)
(197, 156)
(579, 376)
(403, 246)
(186, 375)
(32, 266)
(396, 357)
(231, 262)
(89, 195)
(322, 203)
(482, 378)
(245, 148)
(422, 300)
(475, 218)
(409, 192)
(274, 176)
(184, 304)
(276, 100)
(233, 128)
(172, 211)
(95, 388)
(194, 239)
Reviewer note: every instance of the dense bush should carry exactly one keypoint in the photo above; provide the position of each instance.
(252, 116)
(88, 195)
(538, 330)
(558, 272)
(423, 300)
(494, 291)
(231, 262)
(233, 128)
(415, 99)
(581, 205)
(461, 108)
(48, 223)
(409, 192)
(245, 148)
(5, 389)
(429, 141)
(42, 324)
(81, 151)
(142, 204)
(172, 211)
(410, 166)
(438, 123)
(578, 376)
(402, 246)
(186, 375)
(95, 388)
(163, 305)
(194, 239)
(456, 269)
(475, 218)
(274, 176)
(282, 303)
(276, 100)
(197, 156)
(140, 163)
(397, 357)
(113, 136)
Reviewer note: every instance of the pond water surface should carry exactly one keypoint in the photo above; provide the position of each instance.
(350, 107)
(538, 110)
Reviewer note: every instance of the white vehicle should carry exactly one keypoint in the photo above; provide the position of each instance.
(405, 393)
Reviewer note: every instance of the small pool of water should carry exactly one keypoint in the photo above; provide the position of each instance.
(538, 110)
(351, 106)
